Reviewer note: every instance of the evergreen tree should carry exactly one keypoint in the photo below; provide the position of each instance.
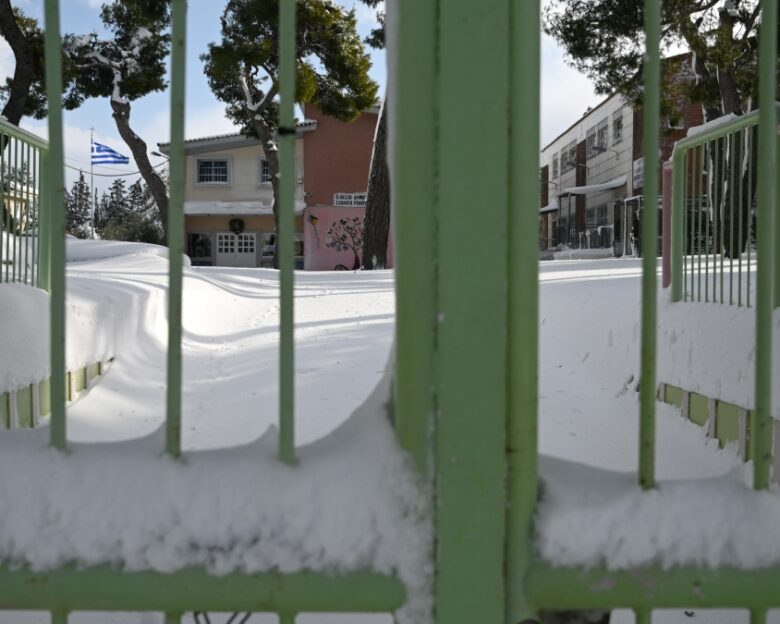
(24, 92)
(78, 207)
(604, 40)
(243, 69)
(123, 67)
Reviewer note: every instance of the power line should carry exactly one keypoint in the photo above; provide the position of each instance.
(113, 175)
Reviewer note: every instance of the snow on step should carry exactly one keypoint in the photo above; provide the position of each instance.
(352, 503)
(593, 517)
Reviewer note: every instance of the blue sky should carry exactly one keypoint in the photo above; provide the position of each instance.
(565, 94)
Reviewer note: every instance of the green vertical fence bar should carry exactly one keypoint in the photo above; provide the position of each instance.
(652, 120)
(44, 229)
(523, 303)
(741, 142)
(751, 141)
(176, 228)
(412, 117)
(776, 237)
(471, 348)
(56, 216)
(36, 220)
(706, 212)
(286, 224)
(679, 227)
(27, 209)
(758, 615)
(732, 186)
(13, 209)
(761, 432)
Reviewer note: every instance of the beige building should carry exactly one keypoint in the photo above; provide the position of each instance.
(228, 203)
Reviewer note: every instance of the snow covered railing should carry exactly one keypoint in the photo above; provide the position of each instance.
(715, 217)
(464, 403)
(22, 155)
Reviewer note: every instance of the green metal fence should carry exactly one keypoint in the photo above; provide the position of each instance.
(21, 155)
(465, 404)
(714, 207)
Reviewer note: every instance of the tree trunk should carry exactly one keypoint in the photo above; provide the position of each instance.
(137, 146)
(377, 221)
(25, 64)
(272, 156)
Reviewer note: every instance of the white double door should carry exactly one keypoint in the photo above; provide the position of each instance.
(236, 250)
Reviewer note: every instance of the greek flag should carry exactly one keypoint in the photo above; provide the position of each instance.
(104, 155)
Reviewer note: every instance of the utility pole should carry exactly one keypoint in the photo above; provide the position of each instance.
(92, 180)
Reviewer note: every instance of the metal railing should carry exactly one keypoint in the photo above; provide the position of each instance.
(466, 335)
(714, 201)
(21, 157)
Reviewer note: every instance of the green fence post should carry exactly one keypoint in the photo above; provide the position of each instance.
(56, 214)
(412, 119)
(176, 228)
(652, 120)
(523, 302)
(44, 227)
(471, 358)
(761, 432)
(286, 138)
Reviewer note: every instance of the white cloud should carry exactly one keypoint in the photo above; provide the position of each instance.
(566, 93)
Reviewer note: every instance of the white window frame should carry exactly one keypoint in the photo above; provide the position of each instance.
(350, 199)
(602, 135)
(570, 161)
(555, 166)
(591, 141)
(261, 176)
(228, 164)
(617, 136)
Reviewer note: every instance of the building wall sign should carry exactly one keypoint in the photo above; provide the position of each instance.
(638, 177)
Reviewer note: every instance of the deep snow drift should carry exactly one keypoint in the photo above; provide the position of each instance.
(588, 414)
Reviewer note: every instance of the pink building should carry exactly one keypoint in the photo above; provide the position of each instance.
(229, 199)
(337, 159)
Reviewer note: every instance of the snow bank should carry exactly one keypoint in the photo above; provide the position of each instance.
(24, 336)
(591, 517)
(710, 349)
(353, 502)
(78, 250)
(100, 320)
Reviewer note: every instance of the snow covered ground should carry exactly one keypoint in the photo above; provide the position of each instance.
(588, 373)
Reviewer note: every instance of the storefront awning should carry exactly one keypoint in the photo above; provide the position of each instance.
(597, 188)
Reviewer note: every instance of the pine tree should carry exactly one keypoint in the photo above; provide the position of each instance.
(243, 69)
(125, 66)
(603, 39)
(78, 205)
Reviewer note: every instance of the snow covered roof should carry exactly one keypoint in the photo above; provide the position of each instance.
(553, 205)
(597, 188)
(237, 208)
(232, 139)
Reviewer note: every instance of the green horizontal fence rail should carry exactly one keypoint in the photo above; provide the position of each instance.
(714, 212)
(22, 155)
(466, 368)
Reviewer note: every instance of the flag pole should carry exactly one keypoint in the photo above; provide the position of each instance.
(92, 180)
